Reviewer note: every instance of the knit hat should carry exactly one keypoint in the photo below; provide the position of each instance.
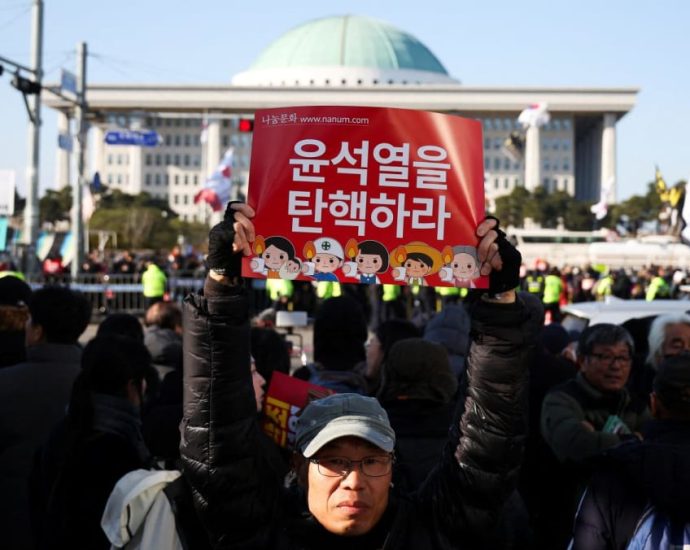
(672, 383)
(340, 331)
(417, 369)
(14, 291)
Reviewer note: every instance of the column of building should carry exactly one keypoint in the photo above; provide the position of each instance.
(62, 164)
(532, 158)
(608, 155)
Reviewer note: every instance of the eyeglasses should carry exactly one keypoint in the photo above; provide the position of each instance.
(338, 466)
(609, 359)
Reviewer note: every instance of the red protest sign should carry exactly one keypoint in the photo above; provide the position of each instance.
(365, 194)
(285, 399)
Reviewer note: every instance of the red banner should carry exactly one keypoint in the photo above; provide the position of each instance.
(368, 195)
(284, 402)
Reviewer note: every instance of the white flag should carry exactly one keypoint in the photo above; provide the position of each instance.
(535, 114)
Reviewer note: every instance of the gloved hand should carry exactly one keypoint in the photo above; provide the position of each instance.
(500, 259)
(229, 239)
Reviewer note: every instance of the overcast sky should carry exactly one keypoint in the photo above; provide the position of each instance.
(529, 43)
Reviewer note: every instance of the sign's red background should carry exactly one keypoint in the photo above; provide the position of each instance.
(271, 175)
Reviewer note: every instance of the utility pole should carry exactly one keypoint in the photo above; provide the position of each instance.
(80, 151)
(34, 105)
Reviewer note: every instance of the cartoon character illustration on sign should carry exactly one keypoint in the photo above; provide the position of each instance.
(461, 266)
(414, 262)
(366, 260)
(324, 256)
(273, 254)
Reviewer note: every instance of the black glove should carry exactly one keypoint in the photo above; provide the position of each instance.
(221, 257)
(509, 276)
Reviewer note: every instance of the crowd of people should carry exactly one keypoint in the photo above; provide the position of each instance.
(463, 421)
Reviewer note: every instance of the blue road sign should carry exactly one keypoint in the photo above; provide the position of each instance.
(132, 137)
(65, 142)
(68, 82)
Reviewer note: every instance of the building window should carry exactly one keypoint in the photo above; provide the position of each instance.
(185, 199)
(187, 140)
(224, 141)
(157, 179)
(167, 160)
(225, 123)
(566, 124)
(487, 143)
(178, 140)
(506, 183)
(110, 159)
(197, 140)
(557, 124)
(566, 144)
(566, 164)
(197, 160)
(168, 140)
(547, 164)
(186, 160)
(177, 179)
(158, 160)
(176, 199)
(497, 163)
(547, 181)
(166, 179)
(177, 160)
(498, 143)
(487, 163)
(506, 163)
(196, 179)
(148, 160)
(147, 179)
(178, 122)
(119, 179)
(110, 179)
(496, 183)
(168, 122)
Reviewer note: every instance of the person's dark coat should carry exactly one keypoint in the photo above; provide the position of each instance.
(223, 461)
(654, 471)
(33, 396)
(74, 475)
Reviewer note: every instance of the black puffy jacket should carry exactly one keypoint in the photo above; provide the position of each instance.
(243, 505)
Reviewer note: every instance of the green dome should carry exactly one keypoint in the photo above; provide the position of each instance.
(345, 50)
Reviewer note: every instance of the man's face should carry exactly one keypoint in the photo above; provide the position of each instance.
(676, 339)
(465, 267)
(415, 268)
(350, 505)
(607, 368)
(368, 263)
(258, 382)
(326, 263)
(274, 257)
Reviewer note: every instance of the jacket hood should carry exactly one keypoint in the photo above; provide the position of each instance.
(129, 503)
(660, 466)
(451, 328)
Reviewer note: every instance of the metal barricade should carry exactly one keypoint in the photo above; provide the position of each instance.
(118, 293)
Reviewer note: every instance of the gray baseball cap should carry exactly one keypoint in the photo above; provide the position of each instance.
(343, 415)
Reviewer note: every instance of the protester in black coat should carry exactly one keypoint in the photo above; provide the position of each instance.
(240, 503)
(418, 393)
(655, 471)
(98, 443)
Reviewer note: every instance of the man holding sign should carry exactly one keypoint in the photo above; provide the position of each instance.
(345, 447)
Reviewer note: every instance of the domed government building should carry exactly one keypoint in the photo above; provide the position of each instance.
(345, 60)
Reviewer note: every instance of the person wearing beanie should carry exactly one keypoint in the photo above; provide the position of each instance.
(418, 391)
(15, 296)
(340, 331)
(450, 327)
(344, 444)
(379, 345)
